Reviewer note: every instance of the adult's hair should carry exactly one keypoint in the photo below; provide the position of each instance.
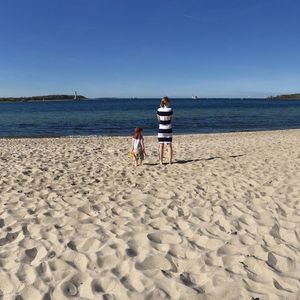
(164, 101)
(137, 133)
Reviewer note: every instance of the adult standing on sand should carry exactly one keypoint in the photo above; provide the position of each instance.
(164, 117)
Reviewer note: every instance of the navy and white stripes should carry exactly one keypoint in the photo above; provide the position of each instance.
(165, 124)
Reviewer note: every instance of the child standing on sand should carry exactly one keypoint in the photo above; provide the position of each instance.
(138, 147)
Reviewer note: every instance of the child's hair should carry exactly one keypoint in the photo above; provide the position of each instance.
(164, 101)
(137, 133)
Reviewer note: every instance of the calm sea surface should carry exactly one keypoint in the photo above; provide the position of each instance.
(120, 116)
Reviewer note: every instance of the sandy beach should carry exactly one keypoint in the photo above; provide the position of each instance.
(77, 220)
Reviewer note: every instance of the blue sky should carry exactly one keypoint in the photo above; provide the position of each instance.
(150, 48)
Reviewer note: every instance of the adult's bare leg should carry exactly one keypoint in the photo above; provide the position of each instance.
(170, 153)
(161, 153)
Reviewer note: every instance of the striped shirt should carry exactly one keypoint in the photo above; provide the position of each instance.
(165, 124)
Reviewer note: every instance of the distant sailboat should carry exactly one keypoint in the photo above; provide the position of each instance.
(194, 97)
(75, 95)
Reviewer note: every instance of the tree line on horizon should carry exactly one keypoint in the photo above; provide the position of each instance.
(41, 98)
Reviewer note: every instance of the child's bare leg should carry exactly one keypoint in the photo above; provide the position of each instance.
(135, 162)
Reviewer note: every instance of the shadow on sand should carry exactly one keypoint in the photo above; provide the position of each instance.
(185, 161)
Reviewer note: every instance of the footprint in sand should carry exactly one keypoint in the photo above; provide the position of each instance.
(131, 252)
(69, 289)
(6, 287)
(162, 237)
(132, 284)
(154, 262)
(186, 279)
(89, 210)
(30, 293)
(104, 284)
(280, 263)
(26, 274)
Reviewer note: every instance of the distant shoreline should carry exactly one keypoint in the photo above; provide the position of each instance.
(285, 97)
(42, 98)
(53, 98)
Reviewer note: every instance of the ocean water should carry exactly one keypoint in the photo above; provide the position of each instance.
(118, 117)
